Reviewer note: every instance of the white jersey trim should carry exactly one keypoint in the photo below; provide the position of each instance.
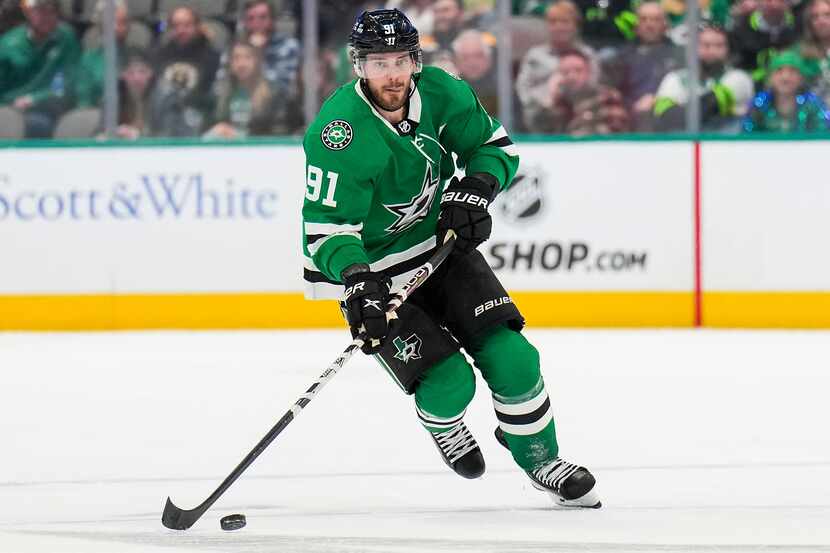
(330, 228)
(327, 290)
(395, 258)
(312, 248)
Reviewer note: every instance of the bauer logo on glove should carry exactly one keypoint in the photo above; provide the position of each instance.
(464, 210)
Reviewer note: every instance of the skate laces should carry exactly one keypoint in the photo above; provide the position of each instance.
(456, 443)
(553, 474)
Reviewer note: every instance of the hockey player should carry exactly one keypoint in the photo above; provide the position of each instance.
(377, 158)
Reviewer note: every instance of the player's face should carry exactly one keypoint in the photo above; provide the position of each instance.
(388, 77)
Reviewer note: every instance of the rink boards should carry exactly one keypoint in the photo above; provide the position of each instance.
(594, 233)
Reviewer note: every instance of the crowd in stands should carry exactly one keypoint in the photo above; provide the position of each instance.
(229, 69)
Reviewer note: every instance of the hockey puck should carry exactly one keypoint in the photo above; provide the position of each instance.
(232, 522)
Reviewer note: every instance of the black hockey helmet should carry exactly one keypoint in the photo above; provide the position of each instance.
(380, 31)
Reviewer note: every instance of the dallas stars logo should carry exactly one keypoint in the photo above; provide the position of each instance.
(337, 135)
(415, 210)
(408, 349)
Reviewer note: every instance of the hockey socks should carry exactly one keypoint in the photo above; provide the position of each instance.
(441, 400)
(510, 365)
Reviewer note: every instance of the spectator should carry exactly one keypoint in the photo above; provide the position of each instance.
(473, 60)
(186, 67)
(638, 68)
(281, 53)
(607, 23)
(11, 15)
(335, 64)
(36, 64)
(578, 105)
(815, 47)
(247, 105)
(739, 10)
(786, 106)
(716, 12)
(724, 90)
(541, 61)
(761, 34)
(134, 88)
(418, 11)
(448, 24)
(336, 17)
(89, 82)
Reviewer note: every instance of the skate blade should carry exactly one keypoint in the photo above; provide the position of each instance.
(588, 501)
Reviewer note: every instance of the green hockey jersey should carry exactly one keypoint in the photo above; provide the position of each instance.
(372, 188)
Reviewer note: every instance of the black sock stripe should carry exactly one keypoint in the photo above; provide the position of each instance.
(526, 418)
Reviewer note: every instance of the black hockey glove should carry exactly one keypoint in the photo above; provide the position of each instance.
(464, 209)
(365, 300)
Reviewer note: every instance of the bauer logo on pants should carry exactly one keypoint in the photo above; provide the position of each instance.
(337, 134)
(408, 349)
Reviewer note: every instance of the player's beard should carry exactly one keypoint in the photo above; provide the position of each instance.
(391, 96)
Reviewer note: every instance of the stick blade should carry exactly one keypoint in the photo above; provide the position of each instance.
(178, 519)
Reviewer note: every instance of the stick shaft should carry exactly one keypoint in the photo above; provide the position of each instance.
(179, 519)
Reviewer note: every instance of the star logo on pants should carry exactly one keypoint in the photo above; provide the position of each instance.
(408, 349)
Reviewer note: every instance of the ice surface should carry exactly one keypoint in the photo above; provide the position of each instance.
(712, 441)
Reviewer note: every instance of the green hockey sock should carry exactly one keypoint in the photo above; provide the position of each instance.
(444, 392)
(510, 365)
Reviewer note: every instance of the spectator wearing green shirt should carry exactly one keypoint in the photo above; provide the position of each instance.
(786, 105)
(89, 82)
(37, 60)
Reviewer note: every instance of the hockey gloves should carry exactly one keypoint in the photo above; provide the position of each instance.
(464, 209)
(365, 300)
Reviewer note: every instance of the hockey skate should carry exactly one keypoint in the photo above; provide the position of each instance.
(460, 451)
(567, 484)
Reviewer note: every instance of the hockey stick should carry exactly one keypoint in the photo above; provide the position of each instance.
(179, 519)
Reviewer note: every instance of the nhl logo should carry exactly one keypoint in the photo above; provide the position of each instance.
(404, 127)
(524, 201)
(337, 135)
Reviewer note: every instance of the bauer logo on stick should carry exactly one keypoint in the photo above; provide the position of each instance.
(337, 134)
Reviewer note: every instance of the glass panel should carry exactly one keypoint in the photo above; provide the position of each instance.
(182, 68)
(229, 69)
